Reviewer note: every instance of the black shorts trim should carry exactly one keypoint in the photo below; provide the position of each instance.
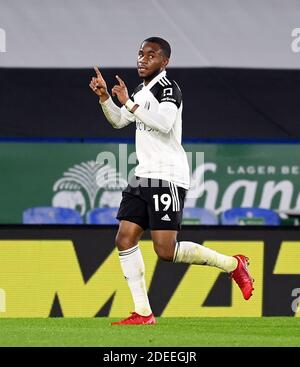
(137, 220)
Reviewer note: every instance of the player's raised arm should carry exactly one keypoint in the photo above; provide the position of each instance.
(99, 86)
(120, 90)
(117, 117)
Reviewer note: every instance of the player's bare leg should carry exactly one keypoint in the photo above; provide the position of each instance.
(164, 242)
(168, 249)
(128, 235)
(133, 267)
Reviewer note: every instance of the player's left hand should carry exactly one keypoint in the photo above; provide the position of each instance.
(120, 90)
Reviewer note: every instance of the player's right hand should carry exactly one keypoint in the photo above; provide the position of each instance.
(98, 85)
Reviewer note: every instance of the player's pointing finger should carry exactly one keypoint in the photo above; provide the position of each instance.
(120, 80)
(97, 72)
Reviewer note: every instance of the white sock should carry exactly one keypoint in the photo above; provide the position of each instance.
(193, 253)
(133, 267)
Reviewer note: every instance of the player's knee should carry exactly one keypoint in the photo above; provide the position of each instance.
(163, 251)
(123, 241)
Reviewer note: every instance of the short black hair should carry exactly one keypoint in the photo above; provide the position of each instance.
(164, 45)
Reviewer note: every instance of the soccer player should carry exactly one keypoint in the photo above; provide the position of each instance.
(155, 197)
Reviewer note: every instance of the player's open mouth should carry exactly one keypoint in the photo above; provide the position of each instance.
(141, 68)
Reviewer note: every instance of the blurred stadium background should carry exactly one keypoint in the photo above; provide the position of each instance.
(238, 65)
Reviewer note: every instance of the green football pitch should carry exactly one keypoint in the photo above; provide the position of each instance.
(171, 332)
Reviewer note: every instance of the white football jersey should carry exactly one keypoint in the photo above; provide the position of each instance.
(160, 154)
(158, 130)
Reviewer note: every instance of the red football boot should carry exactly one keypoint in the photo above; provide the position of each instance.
(242, 276)
(136, 319)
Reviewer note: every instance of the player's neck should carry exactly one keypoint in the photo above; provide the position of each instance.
(148, 79)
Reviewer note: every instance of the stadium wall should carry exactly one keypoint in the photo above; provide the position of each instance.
(65, 271)
(66, 175)
(219, 103)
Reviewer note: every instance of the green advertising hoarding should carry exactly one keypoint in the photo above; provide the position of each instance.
(67, 174)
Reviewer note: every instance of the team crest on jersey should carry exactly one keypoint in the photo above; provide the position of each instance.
(147, 105)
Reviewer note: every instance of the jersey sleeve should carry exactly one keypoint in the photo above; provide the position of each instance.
(116, 116)
(170, 93)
